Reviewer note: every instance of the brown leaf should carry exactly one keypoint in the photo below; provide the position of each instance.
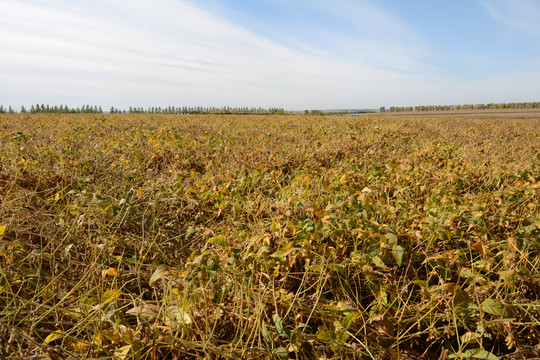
(144, 311)
(382, 326)
(512, 244)
(479, 246)
(161, 271)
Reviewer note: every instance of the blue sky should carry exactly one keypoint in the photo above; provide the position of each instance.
(272, 53)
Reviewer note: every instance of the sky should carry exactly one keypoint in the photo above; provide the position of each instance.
(292, 54)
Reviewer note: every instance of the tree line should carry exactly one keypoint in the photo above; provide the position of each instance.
(200, 110)
(493, 106)
(87, 109)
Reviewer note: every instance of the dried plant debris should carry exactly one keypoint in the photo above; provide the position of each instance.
(130, 236)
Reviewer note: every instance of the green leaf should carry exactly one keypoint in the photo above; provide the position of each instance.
(474, 354)
(336, 267)
(218, 240)
(281, 329)
(378, 262)
(279, 254)
(247, 252)
(494, 307)
(115, 210)
(316, 268)
(392, 239)
(398, 254)
(265, 334)
(222, 293)
(421, 283)
(326, 335)
(190, 231)
(302, 326)
(281, 352)
(265, 249)
(347, 320)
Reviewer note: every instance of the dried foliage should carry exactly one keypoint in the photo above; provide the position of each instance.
(225, 237)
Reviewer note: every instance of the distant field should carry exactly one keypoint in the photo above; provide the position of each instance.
(508, 113)
(310, 237)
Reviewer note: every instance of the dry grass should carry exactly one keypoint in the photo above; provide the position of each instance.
(152, 237)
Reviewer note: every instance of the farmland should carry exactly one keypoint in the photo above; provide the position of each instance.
(136, 236)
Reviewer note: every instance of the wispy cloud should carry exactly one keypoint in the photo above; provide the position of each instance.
(521, 15)
(352, 30)
(120, 44)
(131, 52)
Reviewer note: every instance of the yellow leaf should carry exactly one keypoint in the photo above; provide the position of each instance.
(58, 334)
(2, 229)
(110, 295)
(507, 275)
(478, 214)
(317, 211)
(122, 353)
(470, 338)
(8, 256)
(139, 192)
(112, 272)
(450, 287)
(79, 347)
(512, 244)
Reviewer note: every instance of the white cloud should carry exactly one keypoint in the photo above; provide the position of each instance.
(172, 52)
